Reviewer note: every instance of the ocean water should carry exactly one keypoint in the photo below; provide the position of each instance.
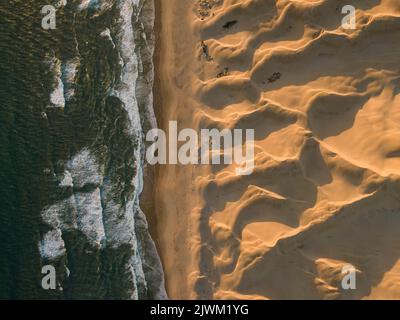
(75, 103)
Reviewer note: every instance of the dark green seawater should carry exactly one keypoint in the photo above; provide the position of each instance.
(38, 141)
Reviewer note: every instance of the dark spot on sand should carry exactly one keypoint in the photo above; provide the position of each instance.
(204, 48)
(223, 73)
(229, 24)
(275, 76)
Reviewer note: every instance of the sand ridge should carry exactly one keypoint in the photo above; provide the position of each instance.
(325, 105)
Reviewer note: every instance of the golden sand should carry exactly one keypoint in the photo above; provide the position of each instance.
(325, 105)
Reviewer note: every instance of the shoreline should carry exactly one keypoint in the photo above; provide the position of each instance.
(147, 198)
(148, 194)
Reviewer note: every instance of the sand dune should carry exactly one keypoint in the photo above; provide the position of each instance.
(324, 102)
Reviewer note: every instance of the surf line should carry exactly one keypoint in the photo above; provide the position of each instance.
(202, 149)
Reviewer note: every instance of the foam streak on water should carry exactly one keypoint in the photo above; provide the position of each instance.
(93, 206)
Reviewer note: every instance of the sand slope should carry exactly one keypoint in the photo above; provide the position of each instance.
(325, 106)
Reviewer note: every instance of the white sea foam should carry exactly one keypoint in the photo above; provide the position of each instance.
(64, 78)
(51, 215)
(126, 89)
(98, 6)
(69, 71)
(107, 34)
(84, 5)
(82, 211)
(67, 180)
(119, 226)
(90, 216)
(84, 169)
(57, 96)
(52, 245)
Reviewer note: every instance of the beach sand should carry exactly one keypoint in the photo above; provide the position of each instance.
(325, 105)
